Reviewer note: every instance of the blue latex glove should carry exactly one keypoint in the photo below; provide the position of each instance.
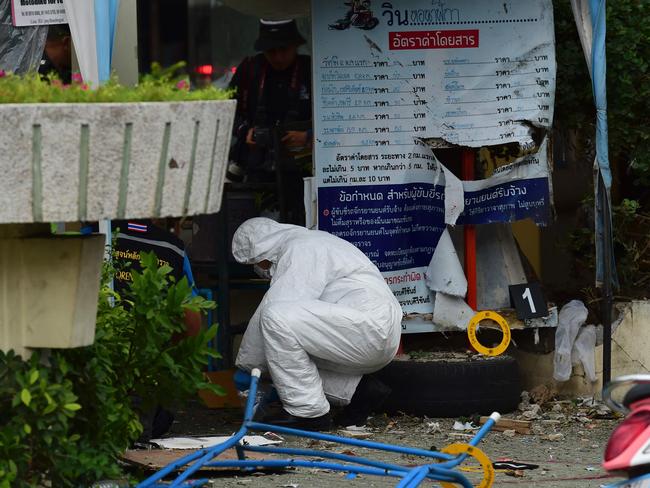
(242, 380)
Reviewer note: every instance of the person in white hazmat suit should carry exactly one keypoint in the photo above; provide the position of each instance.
(327, 319)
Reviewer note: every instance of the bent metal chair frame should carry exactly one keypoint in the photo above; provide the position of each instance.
(441, 469)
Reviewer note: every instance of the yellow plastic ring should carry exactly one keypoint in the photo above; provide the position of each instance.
(503, 325)
(476, 453)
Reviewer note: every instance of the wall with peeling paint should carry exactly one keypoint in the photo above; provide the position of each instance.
(630, 355)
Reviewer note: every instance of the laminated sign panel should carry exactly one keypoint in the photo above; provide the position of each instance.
(389, 75)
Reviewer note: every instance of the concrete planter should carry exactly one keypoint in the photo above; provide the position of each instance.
(50, 287)
(74, 162)
(89, 162)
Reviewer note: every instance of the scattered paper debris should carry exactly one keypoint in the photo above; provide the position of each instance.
(203, 442)
(464, 426)
(357, 432)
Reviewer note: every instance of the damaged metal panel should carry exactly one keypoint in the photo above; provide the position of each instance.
(498, 266)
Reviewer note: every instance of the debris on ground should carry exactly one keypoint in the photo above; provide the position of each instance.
(356, 432)
(511, 464)
(532, 412)
(554, 437)
(210, 441)
(525, 401)
(464, 426)
(564, 449)
(506, 424)
(542, 394)
(515, 473)
(433, 427)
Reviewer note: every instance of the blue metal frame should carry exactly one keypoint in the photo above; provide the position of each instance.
(442, 469)
(628, 483)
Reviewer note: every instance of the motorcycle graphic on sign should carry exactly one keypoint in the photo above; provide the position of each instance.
(359, 15)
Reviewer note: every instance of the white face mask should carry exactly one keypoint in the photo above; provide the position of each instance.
(265, 274)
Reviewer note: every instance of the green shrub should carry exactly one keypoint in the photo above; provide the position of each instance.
(161, 85)
(66, 417)
(631, 245)
(37, 405)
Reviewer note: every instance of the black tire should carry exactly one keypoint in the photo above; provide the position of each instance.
(452, 387)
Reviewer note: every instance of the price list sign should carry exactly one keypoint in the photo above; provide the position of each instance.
(388, 74)
(470, 73)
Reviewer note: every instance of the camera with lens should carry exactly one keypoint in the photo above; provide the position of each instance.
(263, 136)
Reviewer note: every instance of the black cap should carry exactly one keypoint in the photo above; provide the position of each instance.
(277, 34)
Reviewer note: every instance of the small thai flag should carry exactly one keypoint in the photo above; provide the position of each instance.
(136, 227)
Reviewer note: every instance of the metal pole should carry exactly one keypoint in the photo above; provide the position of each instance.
(607, 294)
(468, 159)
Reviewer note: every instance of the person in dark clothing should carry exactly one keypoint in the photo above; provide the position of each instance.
(133, 237)
(273, 124)
(136, 236)
(57, 56)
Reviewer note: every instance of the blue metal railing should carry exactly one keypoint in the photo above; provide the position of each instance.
(441, 468)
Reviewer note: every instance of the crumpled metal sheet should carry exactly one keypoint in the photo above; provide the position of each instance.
(451, 312)
(21, 48)
(445, 273)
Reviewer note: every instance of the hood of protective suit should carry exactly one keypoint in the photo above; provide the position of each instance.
(260, 238)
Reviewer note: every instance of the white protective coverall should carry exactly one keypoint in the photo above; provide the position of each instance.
(327, 319)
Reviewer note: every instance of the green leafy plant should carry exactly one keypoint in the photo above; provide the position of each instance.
(628, 86)
(161, 85)
(631, 245)
(37, 405)
(66, 417)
